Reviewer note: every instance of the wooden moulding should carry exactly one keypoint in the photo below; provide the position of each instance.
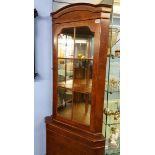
(81, 11)
(73, 141)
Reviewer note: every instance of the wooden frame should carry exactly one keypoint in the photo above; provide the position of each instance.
(97, 18)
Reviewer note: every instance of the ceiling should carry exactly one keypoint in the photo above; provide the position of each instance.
(88, 1)
(80, 1)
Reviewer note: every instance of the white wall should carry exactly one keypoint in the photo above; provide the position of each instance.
(42, 84)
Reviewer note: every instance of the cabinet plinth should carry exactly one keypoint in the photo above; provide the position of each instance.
(67, 139)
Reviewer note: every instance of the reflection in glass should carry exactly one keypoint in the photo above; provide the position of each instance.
(83, 75)
(81, 108)
(66, 43)
(84, 43)
(65, 73)
(64, 106)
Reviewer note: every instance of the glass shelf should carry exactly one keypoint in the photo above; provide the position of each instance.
(111, 124)
(112, 92)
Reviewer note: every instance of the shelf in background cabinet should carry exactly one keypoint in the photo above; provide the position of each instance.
(113, 57)
(109, 124)
(111, 92)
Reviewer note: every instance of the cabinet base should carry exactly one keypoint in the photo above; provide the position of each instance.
(64, 139)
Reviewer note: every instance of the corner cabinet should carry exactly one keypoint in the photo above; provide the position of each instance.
(80, 47)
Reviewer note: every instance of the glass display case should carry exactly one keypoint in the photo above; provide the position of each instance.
(111, 121)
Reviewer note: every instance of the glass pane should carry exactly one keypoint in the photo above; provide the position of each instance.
(83, 75)
(64, 106)
(75, 65)
(112, 83)
(81, 108)
(65, 73)
(114, 78)
(66, 43)
(84, 43)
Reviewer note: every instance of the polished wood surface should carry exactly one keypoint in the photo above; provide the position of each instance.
(81, 113)
(62, 138)
(72, 137)
(81, 11)
(78, 85)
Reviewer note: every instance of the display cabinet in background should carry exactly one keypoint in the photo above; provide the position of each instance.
(80, 47)
(111, 121)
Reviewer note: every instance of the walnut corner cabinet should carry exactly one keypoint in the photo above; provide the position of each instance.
(80, 46)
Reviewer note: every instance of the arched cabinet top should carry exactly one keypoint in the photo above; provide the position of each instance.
(80, 12)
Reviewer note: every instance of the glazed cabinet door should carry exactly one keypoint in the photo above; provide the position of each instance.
(74, 46)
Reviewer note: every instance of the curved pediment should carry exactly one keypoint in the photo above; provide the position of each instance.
(81, 11)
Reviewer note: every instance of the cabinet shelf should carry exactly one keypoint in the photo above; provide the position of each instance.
(80, 86)
(76, 86)
(76, 58)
